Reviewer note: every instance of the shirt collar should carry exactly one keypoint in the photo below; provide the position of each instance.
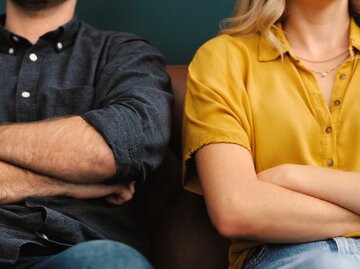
(59, 38)
(354, 35)
(267, 52)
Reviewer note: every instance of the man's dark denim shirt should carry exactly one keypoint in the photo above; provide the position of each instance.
(117, 83)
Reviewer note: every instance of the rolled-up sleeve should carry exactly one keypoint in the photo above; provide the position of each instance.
(133, 107)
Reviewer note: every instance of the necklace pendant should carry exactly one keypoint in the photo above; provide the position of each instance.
(323, 74)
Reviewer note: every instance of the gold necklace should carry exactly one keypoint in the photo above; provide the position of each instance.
(324, 73)
(323, 61)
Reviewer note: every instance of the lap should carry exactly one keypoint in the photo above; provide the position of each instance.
(325, 260)
(334, 253)
(90, 255)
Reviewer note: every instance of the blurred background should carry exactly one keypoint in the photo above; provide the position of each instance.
(176, 27)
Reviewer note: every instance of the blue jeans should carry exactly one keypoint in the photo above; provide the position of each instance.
(97, 254)
(336, 253)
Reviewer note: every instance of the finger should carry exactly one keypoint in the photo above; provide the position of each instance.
(132, 187)
(115, 199)
(125, 194)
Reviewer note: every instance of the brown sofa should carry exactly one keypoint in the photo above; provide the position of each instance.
(182, 236)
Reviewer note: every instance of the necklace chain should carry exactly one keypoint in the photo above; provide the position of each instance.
(325, 73)
(323, 61)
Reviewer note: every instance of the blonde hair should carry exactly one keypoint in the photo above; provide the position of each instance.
(261, 16)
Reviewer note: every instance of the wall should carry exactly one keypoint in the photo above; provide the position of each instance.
(176, 27)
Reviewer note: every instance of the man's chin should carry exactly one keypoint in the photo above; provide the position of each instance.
(37, 5)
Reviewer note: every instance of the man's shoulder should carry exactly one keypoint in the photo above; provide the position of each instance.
(112, 46)
(92, 32)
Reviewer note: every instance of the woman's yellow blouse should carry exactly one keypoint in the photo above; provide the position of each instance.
(241, 91)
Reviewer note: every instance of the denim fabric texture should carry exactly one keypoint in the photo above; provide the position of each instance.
(337, 253)
(118, 84)
(96, 254)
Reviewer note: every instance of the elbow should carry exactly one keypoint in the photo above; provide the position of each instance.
(236, 223)
(235, 228)
(99, 168)
(106, 166)
(224, 226)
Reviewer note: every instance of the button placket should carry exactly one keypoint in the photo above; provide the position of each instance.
(340, 85)
(27, 81)
(324, 119)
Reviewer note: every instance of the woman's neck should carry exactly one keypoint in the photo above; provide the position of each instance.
(43, 21)
(317, 29)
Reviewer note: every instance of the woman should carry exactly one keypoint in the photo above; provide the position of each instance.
(272, 133)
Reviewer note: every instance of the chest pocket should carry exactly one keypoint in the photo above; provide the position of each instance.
(74, 101)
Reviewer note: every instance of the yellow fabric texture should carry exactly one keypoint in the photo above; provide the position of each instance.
(241, 91)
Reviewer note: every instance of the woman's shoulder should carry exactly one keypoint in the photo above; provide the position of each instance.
(226, 54)
(232, 44)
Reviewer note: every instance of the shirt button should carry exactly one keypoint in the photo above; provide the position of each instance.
(33, 57)
(15, 38)
(328, 130)
(337, 102)
(11, 51)
(25, 94)
(59, 46)
(343, 76)
(44, 236)
(330, 162)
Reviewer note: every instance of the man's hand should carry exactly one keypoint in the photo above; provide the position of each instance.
(122, 194)
(16, 184)
(114, 194)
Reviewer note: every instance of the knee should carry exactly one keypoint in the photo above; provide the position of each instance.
(104, 254)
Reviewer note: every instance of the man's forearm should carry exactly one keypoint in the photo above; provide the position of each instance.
(67, 148)
(335, 186)
(16, 184)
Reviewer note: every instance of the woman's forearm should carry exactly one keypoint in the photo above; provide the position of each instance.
(241, 206)
(335, 186)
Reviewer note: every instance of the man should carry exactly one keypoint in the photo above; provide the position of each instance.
(84, 114)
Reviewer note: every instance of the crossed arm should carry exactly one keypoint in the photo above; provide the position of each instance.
(268, 208)
(59, 157)
(335, 186)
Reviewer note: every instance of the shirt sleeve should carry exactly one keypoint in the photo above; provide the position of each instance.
(133, 107)
(217, 107)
